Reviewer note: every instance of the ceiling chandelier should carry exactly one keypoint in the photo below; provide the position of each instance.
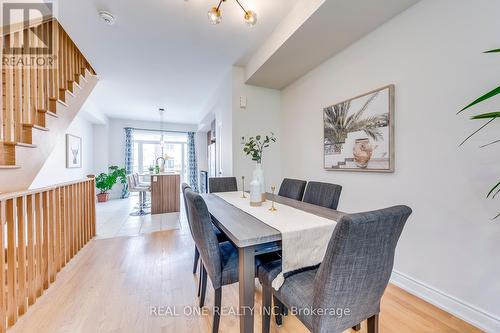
(215, 15)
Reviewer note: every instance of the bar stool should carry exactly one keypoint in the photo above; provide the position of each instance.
(142, 190)
(139, 183)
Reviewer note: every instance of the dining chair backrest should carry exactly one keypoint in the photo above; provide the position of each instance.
(184, 187)
(222, 184)
(323, 194)
(357, 266)
(204, 236)
(292, 188)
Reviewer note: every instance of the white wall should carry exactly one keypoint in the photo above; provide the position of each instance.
(300, 12)
(261, 116)
(432, 53)
(54, 170)
(101, 148)
(221, 106)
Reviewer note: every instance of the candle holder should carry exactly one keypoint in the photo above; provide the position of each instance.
(243, 187)
(273, 209)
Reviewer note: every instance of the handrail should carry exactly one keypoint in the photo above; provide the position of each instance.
(12, 195)
(33, 82)
(21, 25)
(41, 230)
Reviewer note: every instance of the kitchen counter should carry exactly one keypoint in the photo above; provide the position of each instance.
(165, 193)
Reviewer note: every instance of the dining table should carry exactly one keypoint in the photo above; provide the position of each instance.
(252, 238)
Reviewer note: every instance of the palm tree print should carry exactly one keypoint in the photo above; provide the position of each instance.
(339, 123)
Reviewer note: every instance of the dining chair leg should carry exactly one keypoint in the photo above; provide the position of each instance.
(278, 315)
(196, 257)
(199, 281)
(217, 309)
(357, 327)
(373, 324)
(203, 286)
(266, 308)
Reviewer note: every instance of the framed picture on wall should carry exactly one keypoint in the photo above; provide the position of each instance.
(359, 133)
(73, 151)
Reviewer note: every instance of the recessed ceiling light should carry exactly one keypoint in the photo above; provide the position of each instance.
(107, 17)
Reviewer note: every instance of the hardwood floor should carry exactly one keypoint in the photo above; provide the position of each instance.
(112, 285)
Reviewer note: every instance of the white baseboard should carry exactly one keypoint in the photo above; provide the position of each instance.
(467, 312)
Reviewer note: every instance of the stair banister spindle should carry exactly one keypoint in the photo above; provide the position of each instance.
(3, 305)
(11, 263)
(21, 255)
(18, 93)
(30, 249)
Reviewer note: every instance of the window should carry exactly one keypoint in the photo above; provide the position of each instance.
(148, 147)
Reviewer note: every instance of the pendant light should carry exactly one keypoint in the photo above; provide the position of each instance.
(215, 14)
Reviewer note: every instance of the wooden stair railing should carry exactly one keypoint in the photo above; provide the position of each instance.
(40, 231)
(31, 93)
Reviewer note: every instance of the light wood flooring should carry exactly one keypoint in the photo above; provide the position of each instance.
(112, 285)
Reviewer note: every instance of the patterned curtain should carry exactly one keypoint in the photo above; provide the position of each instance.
(192, 164)
(129, 159)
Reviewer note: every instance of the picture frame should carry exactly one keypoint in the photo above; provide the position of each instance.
(358, 133)
(73, 151)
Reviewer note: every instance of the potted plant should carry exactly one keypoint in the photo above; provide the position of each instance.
(105, 181)
(255, 148)
(490, 117)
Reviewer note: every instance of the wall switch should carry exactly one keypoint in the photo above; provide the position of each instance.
(242, 140)
(243, 102)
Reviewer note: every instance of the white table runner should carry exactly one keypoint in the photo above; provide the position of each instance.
(305, 236)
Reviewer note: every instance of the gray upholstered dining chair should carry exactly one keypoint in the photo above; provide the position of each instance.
(220, 236)
(222, 184)
(292, 188)
(323, 194)
(353, 275)
(220, 260)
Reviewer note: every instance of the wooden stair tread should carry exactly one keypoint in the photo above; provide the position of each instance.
(5, 167)
(7, 143)
(62, 103)
(49, 113)
(82, 76)
(27, 145)
(58, 100)
(41, 128)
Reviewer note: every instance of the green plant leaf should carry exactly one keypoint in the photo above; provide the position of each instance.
(492, 51)
(493, 189)
(489, 144)
(486, 96)
(476, 131)
(486, 115)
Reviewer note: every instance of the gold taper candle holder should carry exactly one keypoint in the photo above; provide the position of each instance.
(273, 209)
(243, 187)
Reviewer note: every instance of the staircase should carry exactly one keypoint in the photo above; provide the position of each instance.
(39, 103)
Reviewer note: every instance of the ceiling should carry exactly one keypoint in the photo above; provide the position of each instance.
(335, 25)
(164, 53)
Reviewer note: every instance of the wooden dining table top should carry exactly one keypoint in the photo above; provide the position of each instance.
(245, 230)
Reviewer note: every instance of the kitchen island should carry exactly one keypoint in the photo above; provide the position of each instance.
(165, 193)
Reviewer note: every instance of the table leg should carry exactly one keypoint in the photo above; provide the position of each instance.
(247, 288)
